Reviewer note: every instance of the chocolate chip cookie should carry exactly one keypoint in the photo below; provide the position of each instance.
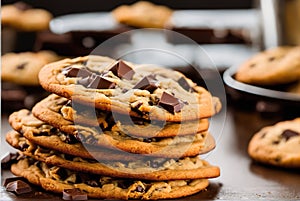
(23, 17)
(143, 14)
(144, 91)
(58, 111)
(171, 147)
(275, 66)
(146, 168)
(23, 68)
(60, 180)
(277, 145)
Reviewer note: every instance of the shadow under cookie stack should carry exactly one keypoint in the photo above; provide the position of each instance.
(115, 130)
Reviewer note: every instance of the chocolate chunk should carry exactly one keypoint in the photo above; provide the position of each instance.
(148, 83)
(18, 186)
(287, 134)
(9, 159)
(74, 194)
(184, 84)
(122, 70)
(62, 173)
(23, 146)
(100, 82)
(21, 66)
(71, 71)
(170, 103)
(11, 179)
(70, 139)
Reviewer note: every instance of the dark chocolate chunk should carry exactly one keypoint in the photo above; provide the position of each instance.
(23, 146)
(21, 66)
(62, 173)
(11, 179)
(184, 84)
(148, 83)
(147, 140)
(101, 83)
(70, 139)
(18, 186)
(71, 71)
(170, 103)
(9, 159)
(287, 134)
(122, 70)
(74, 194)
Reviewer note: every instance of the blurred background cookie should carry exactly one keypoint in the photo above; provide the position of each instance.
(143, 14)
(23, 17)
(23, 68)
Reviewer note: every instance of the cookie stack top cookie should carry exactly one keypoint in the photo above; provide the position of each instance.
(144, 91)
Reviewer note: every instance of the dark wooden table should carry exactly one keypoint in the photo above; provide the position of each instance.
(241, 178)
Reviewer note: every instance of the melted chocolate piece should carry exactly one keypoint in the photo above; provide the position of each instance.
(148, 83)
(184, 84)
(9, 159)
(70, 139)
(122, 70)
(74, 194)
(71, 71)
(100, 82)
(18, 187)
(287, 134)
(170, 103)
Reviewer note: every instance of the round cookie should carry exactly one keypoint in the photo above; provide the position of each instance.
(101, 187)
(144, 91)
(58, 111)
(25, 18)
(277, 145)
(145, 168)
(279, 65)
(10, 15)
(171, 147)
(143, 15)
(34, 20)
(23, 68)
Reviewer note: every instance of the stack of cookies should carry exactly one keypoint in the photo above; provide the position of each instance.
(115, 130)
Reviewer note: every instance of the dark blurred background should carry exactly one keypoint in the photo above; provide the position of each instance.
(62, 7)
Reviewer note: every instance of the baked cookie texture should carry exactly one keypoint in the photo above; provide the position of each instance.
(55, 179)
(25, 18)
(277, 145)
(144, 91)
(23, 68)
(143, 14)
(60, 112)
(170, 147)
(147, 168)
(280, 65)
(115, 130)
